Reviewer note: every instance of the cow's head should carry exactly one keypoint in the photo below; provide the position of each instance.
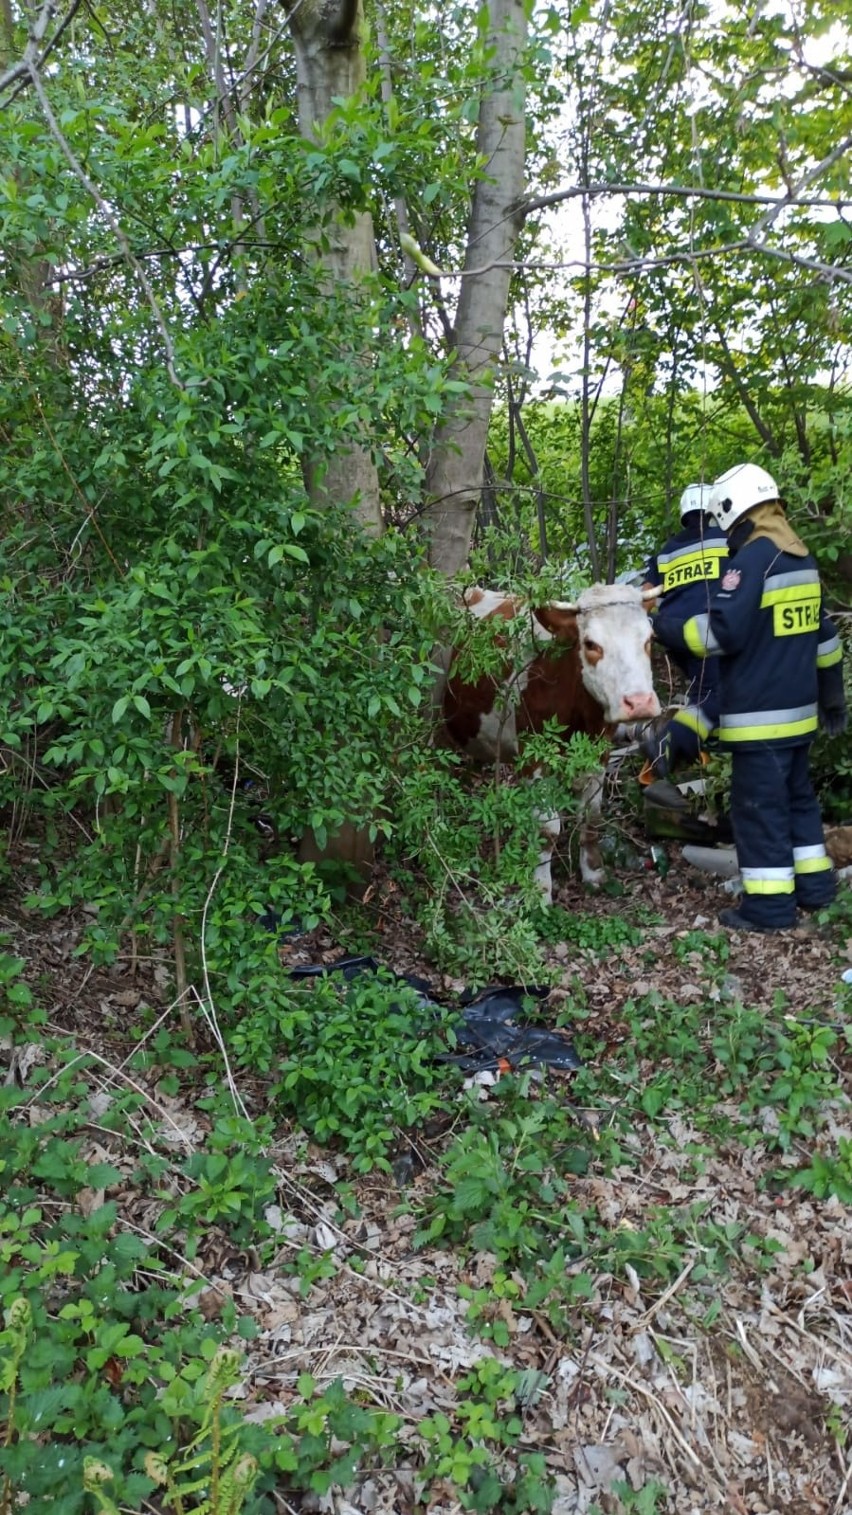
(612, 632)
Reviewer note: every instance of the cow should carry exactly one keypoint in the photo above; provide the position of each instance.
(588, 666)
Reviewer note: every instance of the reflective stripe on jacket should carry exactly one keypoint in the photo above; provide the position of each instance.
(688, 568)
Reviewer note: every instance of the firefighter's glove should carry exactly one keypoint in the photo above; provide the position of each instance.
(833, 719)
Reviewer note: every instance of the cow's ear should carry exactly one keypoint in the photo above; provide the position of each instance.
(560, 621)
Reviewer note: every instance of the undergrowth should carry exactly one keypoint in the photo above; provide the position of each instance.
(517, 1178)
(115, 1385)
(116, 1388)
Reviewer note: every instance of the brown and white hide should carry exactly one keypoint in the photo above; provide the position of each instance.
(588, 666)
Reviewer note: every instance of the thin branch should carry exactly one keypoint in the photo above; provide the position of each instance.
(385, 64)
(252, 55)
(818, 169)
(585, 397)
(110, 217)
(689, 256)
(628, 265)
(746, 398)
(34, 40)
(693, 191)
(60, 31)
(107, 261)
(827, 270)
(224, 91)
(254, 61)
(206, 1002)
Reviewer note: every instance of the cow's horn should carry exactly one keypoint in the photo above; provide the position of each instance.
(652, 592)
(564, 605)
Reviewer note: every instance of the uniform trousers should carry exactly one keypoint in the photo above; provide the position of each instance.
(777, 828)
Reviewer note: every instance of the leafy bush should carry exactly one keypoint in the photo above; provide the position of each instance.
(828, 1173)
(507, 1179)
(173, 610)
(482, 1456)
(589, 932)
(353, 1062)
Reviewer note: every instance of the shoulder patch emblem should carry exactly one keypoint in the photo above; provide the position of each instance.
(731, 579)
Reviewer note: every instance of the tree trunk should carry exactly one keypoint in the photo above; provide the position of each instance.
(330, 65)
(327, 35)
(455, 470)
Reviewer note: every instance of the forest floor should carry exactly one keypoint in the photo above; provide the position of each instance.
(694, 1353)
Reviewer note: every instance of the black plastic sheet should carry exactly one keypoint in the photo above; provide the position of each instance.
(490, 1030)
(490, 1025)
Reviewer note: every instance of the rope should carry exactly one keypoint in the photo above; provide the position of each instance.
(697, 179)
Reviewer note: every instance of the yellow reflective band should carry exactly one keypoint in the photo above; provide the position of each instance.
(767, 733)
(693, 636)
(812, 864)
(790, 619)
(692, 567)
(698, 636)
(693, 720)
(790, 592)
(828, 659)
(693, 554)
(796, 608)
(768, 885)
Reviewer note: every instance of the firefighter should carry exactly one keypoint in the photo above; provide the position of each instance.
(688, 568)
(780, 676)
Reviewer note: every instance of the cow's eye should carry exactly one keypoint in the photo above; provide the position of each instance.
(591, 646)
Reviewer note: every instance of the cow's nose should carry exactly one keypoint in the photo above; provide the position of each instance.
(642, 706)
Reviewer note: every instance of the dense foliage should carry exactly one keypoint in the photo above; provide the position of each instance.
(210, 669)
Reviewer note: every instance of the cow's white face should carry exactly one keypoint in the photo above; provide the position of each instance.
(605, 640)
(615, 651)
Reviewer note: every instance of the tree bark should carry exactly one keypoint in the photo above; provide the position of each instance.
(455, 469)
(330, 64)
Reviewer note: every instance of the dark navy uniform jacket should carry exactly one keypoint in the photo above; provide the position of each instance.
(689, 568)
(782, 655)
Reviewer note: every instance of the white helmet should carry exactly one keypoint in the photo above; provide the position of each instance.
(739, 490)
(695, 497)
